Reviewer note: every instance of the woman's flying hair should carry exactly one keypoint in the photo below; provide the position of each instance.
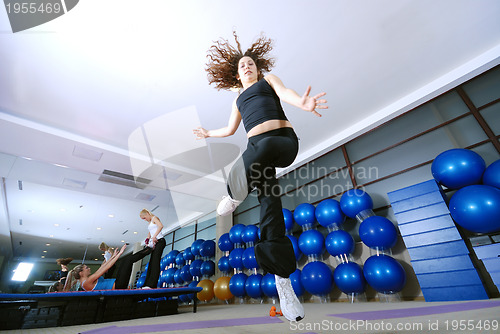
(223, 59)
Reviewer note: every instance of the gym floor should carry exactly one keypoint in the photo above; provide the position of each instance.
(481, 316)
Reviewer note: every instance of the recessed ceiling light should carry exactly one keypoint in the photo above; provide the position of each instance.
(51, 235)
(123, 240)
(45, 251)
(135, 232)
(56, 225)
(96, 260)
(47, 244)
(43, 257)
(111, 216)
(99, 228)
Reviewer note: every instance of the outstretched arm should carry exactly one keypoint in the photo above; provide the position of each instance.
(92, 279)
(229, 130)
(304, 102)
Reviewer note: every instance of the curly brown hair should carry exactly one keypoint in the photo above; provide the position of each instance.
(223, 59)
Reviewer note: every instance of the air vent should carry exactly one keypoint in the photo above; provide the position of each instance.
(124, 179)
(86, 153)
(20, 185)
(145, 197)
(74, 183)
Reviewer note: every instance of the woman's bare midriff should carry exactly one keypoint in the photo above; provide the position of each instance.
(268, 126)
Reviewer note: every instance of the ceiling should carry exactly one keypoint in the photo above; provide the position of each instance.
(97, 106)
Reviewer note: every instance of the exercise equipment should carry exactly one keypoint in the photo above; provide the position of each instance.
(378, 232)
(317, 278)
(458, 168)
(328, 213)
(384, 274)
(355, 201)
(477, 208)
(339, 243)
(304, 215)
(221, 288)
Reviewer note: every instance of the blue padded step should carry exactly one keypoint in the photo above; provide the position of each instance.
(413, 203)
(444, 249)
(449, 278)
(427, 225)
(461, 262)
(413, 191)
(487, 251)
(454, 293)
(431, 238)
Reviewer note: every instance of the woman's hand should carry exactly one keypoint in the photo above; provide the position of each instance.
(311, 103)
(201, 133)
(155, 240)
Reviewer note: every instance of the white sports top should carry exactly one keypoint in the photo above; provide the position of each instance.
(152, 227)
(107, 255)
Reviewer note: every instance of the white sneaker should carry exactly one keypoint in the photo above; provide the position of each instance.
(146, 288)
(227, 206)
(290, 305)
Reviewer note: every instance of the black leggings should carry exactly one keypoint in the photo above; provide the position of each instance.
(257, 170)
(125, 268)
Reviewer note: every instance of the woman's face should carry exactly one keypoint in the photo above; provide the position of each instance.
(247, 70)
(146, 217)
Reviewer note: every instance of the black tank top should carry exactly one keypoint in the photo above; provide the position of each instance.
(259, 103)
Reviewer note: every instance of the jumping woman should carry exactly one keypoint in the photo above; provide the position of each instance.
(271, 143)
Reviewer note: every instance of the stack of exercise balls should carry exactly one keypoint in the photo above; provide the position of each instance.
(237, 281)
(347, 276)
(316, 277)
(382, 272)
(475, 205)
(221, 286)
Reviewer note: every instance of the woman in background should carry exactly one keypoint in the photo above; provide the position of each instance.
(108, 252)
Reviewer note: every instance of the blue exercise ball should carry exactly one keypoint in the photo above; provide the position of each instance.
(195, 247)
(355, 201)
(491, 176)
(458, 168)
(252, 286)
(250, 234)
(237, 285)
(140, 282)
(304, 214)
(169, 276)
(384, 274)
(296, 248)
(329, 213)
(311, 242)
(207, 268)
(171, 257)
(207, 248)
(184, 298)
(163, 278)
(188, 255)
(177, 276)
(296, 280)
(349, 278)
(224, 243)
(235, 233)
(224, 265)
(185, 274)
(339, 242)
(163, 263)
(235, 258)
(268, 285)
(248, 258)
(193, 284)
(179, 260)
(477, 208)
(317, 278)
(378, 232)
(195, 268)
(146, 268)
(288, 217)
